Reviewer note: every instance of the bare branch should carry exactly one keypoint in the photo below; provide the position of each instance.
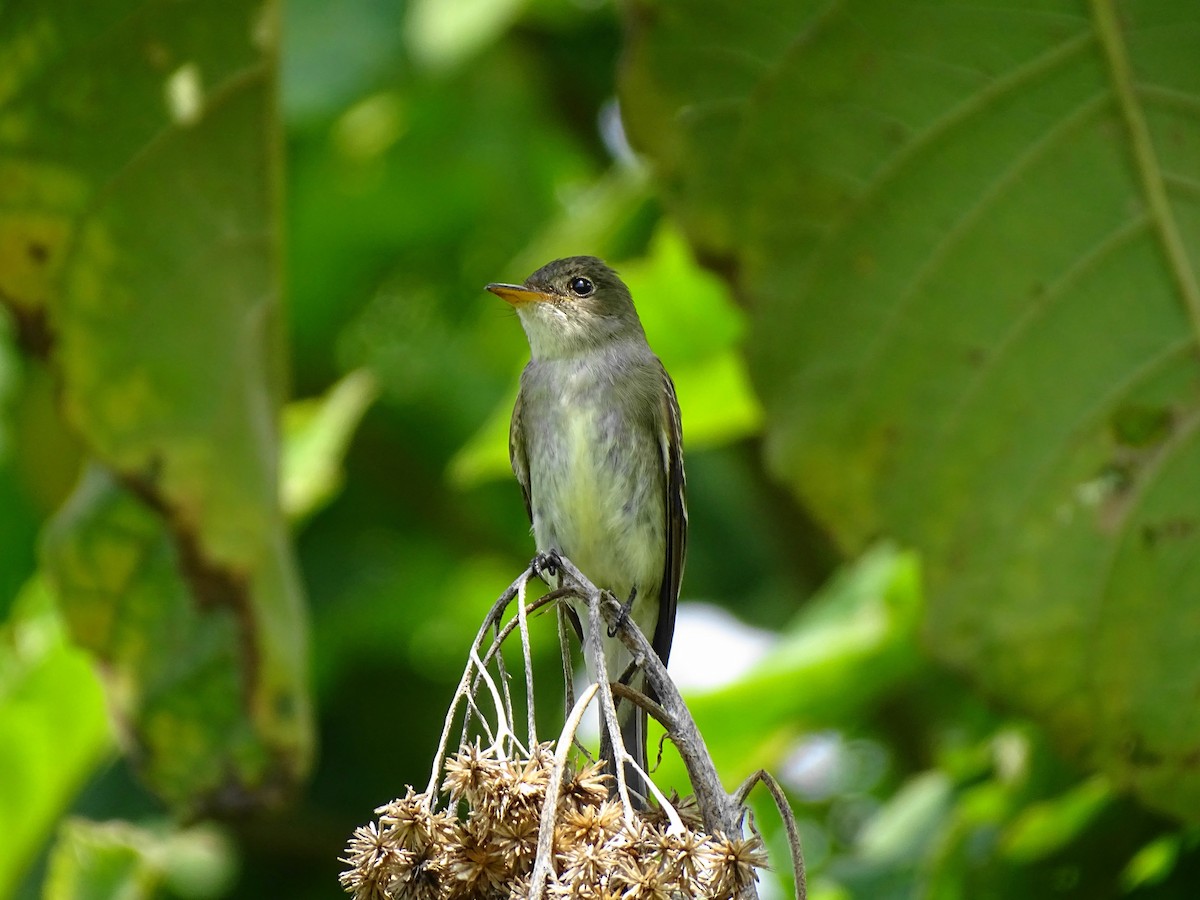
(789, 823)
(633, 695)
(593, 649)
(461, 692)
(542, 861)
(528, 656)
(718, 810)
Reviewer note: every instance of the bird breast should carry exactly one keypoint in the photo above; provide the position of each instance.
(596, 478)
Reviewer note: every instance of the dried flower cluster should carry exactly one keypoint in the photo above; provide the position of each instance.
(416, 851)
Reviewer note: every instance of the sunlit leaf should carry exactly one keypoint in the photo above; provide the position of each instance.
(442, 34)
(103, 860)
(317, 433)
(1152, 863)
(850, 645)
(54, 731)
(93, 862)
(901, 832)
(1050, 825)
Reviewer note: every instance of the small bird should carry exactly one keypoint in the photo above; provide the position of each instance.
(596, 444)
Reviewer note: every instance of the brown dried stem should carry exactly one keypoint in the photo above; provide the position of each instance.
(789, 823)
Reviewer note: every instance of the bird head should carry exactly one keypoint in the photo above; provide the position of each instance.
(571, 306)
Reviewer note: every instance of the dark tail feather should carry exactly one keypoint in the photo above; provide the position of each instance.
(633, 735)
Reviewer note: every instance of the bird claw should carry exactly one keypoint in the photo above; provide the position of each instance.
(547, 563)
(623, 615)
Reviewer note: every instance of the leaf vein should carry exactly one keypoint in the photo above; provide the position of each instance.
(963, 225)
(1145, 159)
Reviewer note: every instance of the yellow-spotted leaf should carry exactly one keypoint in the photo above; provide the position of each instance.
(139, 258)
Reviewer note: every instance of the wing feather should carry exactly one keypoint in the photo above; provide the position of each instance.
(517, 454)
(675, 505)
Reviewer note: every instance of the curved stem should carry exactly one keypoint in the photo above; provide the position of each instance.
(545, 845)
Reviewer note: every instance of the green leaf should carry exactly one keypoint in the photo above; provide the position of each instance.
(317, 432)
(1047, 827)
(849, 646)
(54, 730)
(173, 661)
(442, 34)
(91, 863)
(139, 256)
(900, 833)
(105, 860)
(1153, 863)
(968, 238)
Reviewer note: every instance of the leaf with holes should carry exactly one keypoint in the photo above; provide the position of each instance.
(969, 236)
(139, 152)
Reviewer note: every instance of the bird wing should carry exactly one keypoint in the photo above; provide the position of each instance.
(675, 504)
(517, 455)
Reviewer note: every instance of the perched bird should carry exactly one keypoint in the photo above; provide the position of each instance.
(596, 444)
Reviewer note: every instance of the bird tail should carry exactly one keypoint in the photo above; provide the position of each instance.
(632, 720)
(633, 733)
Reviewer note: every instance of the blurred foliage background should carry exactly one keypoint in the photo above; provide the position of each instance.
(925, 276)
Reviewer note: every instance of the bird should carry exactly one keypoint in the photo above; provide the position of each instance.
(596, 444)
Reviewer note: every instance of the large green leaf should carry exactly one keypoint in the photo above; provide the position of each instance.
(969, 237)
(139, 257)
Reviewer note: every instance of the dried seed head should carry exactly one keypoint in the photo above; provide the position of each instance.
(409, 821)
(423, 879)
(469, 772)
(685, 855)
(731, 863)
(589, 825)
(639, 838)
(584, 866)
(372, 857)
(601, 851)
(641, 880)
(474, 865)
(590, 786)
(516, 836)
(525, 789)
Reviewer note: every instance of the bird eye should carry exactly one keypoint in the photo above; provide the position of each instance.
(581, 286)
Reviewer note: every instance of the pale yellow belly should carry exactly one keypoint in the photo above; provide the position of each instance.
(597, 498)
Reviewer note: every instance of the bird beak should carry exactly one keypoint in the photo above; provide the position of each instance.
(517, 294)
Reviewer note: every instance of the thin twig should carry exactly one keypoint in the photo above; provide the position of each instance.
(503, 726)
(593, 650)
(473, 707)
(461, 692)
(789, 823)
(625, 692)
(502, 669)
(502, 634)
(531, 607)
(545, 846)
(528, 654)
(564, 649)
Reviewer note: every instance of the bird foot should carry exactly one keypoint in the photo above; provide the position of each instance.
(547, 563)
(623, 615)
